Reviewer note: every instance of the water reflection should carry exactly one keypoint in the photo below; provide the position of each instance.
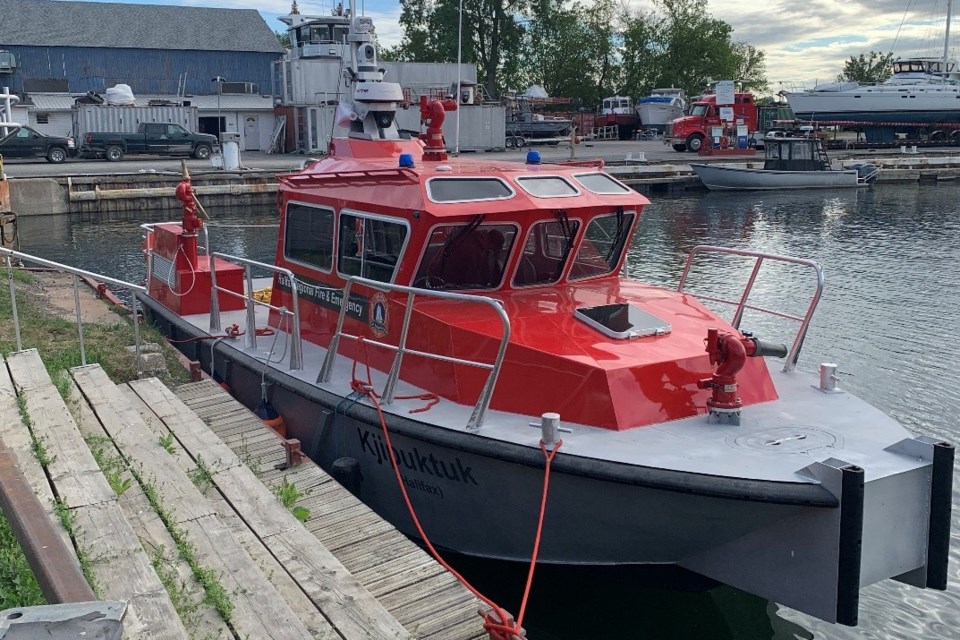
(888, 317)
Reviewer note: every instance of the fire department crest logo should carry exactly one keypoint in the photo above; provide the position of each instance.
(379, 315)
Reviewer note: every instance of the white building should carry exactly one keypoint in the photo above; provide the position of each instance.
(247, 114)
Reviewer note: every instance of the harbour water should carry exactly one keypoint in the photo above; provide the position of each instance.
(888, 318)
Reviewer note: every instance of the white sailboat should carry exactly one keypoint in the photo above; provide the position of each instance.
(920, 91)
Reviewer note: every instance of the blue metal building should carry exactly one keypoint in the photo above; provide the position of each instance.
(156, 49)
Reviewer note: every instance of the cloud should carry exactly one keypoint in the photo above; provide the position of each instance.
(810, 41)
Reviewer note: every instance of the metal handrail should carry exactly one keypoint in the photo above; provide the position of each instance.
(742, 305)
(483, 401)
(250, 337)
(77, 273)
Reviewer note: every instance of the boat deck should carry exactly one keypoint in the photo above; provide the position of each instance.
(809, 423)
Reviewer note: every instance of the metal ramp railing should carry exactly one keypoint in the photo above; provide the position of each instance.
(741, 304)
(76, 274)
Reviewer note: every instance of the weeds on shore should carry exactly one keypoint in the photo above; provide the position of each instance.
(58, 342)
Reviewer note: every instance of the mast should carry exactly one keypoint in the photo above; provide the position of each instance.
(946, 41)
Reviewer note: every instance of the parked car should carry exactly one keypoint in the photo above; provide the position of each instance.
(162, 139)
(30, 143)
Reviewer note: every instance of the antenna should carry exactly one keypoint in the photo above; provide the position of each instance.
(456, 138)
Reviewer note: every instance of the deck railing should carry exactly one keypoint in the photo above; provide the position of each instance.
(11, 255)
(250, 336)
(741, 304)
(483, 401)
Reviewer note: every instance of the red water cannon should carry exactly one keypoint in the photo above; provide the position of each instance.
(728, 353)
(433, 113)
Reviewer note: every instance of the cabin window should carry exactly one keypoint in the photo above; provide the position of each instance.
(370, 247)
(602, 244)
(601, 183)
(467, 189)
(466, 256)
(545, 252)
(308, 236)
(547, 186)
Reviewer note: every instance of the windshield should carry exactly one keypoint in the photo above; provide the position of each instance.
(466, 256)
(699, 109)
(602, 245)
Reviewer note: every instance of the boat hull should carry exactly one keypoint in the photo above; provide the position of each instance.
(878, 106)
(540, 128)
(657, 115)
(726, 178)
(626, 124)
(809, 543)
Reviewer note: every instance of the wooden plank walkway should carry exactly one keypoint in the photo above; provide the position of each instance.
(121, 568)
(258, 610)
(423, 596)
(169, 517)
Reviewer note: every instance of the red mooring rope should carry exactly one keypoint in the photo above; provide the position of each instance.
(497, 621)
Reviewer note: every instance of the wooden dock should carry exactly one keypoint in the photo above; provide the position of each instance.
(172, 503)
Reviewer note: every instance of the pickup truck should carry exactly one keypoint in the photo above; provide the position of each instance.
(29, 143)
(152, 138)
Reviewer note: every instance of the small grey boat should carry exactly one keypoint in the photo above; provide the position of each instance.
(794, 161)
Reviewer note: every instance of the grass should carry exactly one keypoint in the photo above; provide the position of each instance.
(167, 443)
(113, 466)
(215, 594)
(58, 342)
(288, 494)
(186, 607)
(68, 520)
(201, 477)
(18, 587)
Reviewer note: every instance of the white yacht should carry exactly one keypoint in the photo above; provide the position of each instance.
(921, 91)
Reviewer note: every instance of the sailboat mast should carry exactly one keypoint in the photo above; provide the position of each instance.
(946, 40)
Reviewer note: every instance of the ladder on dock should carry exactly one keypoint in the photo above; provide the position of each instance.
(169, 502)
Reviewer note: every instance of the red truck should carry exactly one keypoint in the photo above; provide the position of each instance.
(689, 132)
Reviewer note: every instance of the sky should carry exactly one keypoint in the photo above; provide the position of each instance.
(805, 42)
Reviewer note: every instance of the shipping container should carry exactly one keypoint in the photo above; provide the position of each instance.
(482, 127)
(95, 118)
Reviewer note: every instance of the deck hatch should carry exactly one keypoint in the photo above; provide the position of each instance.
(622, 321)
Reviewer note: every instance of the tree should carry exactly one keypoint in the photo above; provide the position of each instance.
(284, 38)
(492, 35)
(867, 70)
(751, 67)
(572, 50)
(679, 44)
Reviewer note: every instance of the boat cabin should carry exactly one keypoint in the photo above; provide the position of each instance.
(548, 242)
(925, 67)
(795, 152)
(617, 105)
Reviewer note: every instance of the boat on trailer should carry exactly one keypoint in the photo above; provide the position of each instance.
(792, 160)
(619, 112)
(444, 327)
